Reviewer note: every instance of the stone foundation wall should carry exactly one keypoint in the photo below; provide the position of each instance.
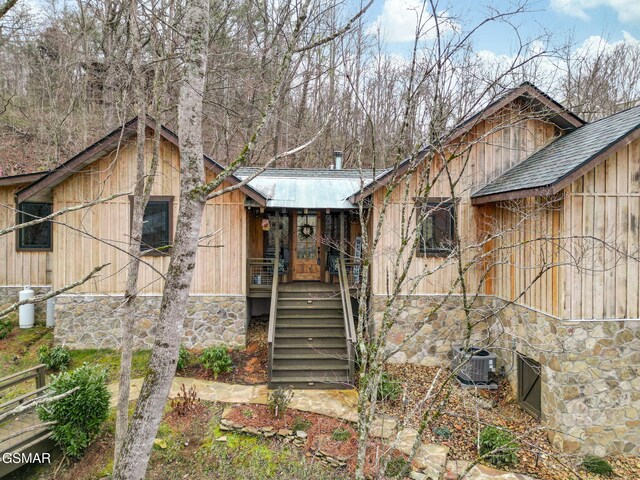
(9, 296)
(426, 326)
(94, 321)
(590, 374)
(590, 371)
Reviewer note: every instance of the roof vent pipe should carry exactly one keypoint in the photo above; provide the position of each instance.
(337, 156)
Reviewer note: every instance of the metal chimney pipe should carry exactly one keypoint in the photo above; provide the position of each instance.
(337, 156)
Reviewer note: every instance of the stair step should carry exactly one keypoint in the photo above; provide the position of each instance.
(310, 385)
(309, 315)
(309, 350)
(339, 375)
(309, 323)
(310, 334)
(332, 299)
(334, 312)
(312, 355)
(321, 342)
(324, 364)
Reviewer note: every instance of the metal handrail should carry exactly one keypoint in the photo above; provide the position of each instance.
(349, 325)
(272, 313)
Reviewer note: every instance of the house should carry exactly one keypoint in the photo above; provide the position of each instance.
(546, 209)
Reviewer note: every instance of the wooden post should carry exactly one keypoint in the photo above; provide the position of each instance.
(41, 379)
(342, 246)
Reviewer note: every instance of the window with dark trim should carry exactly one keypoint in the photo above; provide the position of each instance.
(437, 227)
(157, 226)
(38, 236)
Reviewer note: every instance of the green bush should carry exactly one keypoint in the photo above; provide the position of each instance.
(341, 434)
(397, 467)
(56, 358)
(389, 388)
(6, 325)
(278, 401)
(79, 415)
(498, 446)
(183, 358)
(597, 465)
(216, 359)
(301, 423)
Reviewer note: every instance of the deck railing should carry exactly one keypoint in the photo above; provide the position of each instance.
(272, 317)
(349, 324)
(260, 275)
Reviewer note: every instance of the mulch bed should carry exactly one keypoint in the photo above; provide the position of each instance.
(249, 365)
(462, 417)
(319, 433)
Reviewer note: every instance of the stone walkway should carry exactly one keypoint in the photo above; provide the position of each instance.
(430, 462)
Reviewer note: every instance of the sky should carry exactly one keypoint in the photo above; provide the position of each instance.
(585, 21)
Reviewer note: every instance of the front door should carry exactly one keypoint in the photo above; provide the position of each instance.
(306, 247)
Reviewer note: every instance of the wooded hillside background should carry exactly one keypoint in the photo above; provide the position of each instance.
(65, 81)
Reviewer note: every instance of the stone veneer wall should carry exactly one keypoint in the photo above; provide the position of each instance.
(590, 371)
(428, 336)
(9, 296)
(93, 321)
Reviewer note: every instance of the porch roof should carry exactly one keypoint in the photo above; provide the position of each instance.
(307, 188)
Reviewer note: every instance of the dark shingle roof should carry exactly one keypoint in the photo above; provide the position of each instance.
(568, 153)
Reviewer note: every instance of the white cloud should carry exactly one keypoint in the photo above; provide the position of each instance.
(399, 18)
(628, 10)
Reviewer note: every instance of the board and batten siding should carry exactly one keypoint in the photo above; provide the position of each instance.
(100, 234)
(604, 205)
(19, 268)
(492, 147)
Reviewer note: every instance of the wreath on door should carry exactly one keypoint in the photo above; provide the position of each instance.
(306, 230)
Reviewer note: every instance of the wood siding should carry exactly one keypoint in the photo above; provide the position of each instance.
(491, 147)
(101, 234)
(19, 268)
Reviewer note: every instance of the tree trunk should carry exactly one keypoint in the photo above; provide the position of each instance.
(138, 443)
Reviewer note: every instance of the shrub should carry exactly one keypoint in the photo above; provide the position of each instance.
(397, 467)
(442, 432)
(216, 359)
(186, 401)
(183, 358)
(498, 446)
(389, 388)
(6, 325)
(301, 423)
(341, 434)
(278, 401)
(79, 415)
(597, 465)
(56, 358)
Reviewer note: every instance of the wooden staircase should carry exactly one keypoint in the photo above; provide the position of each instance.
(309, 347)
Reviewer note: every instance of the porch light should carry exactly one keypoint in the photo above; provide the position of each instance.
(337, 157)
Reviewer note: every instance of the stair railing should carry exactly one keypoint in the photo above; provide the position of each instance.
(272, 314)
(349, 325)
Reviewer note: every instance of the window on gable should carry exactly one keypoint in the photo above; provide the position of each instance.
(38, 236)
(157, 226)
(437, 227)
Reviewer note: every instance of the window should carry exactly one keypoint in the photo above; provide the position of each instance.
(35, 237)
(438, 227)
(157, 225)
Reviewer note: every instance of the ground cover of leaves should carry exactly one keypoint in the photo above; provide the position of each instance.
(465, 412)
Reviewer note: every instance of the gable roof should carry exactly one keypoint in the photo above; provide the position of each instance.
(107, 144)
(311, 188)
(558, 114)
(567, 158)
(21, 178)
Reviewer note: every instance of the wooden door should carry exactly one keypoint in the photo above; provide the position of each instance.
(306, 247)
(529, 391)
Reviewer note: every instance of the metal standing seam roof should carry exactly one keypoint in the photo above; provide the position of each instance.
(307, 188)
(563, 156)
